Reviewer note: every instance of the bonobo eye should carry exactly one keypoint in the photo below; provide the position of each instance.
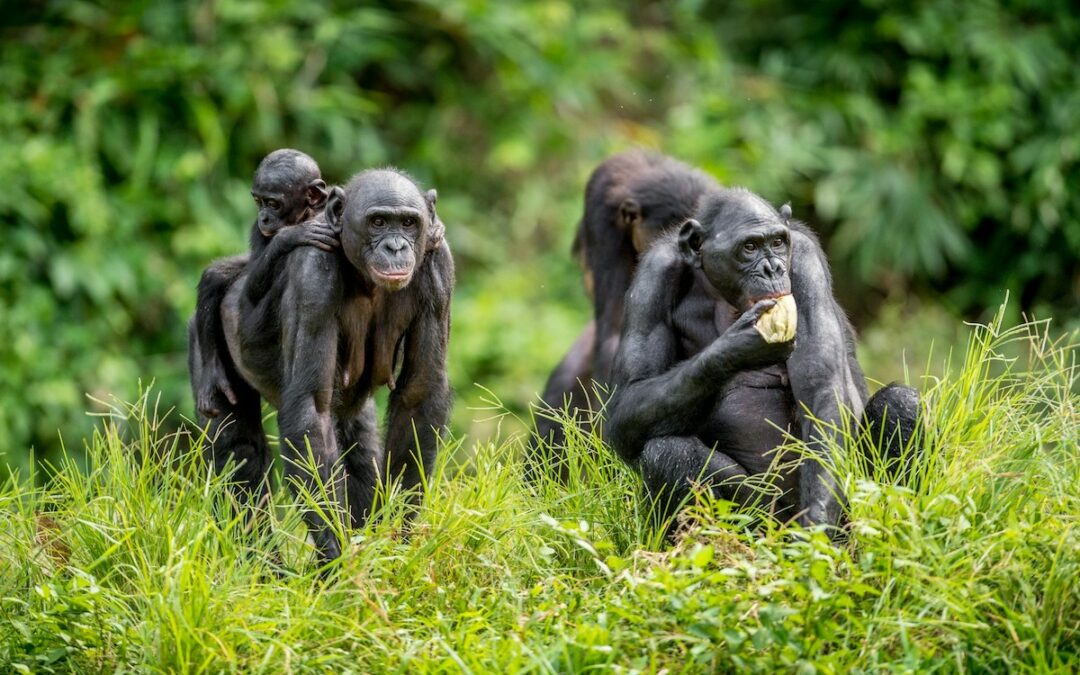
(778, 242)
(273, 204)
(378, 221)
(749, 247)
(410, 222)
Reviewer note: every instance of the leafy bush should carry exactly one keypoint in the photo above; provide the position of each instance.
(935, 144)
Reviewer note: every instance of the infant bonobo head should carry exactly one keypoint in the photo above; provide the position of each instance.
(288, 189)
(386, 224)
(742, 244)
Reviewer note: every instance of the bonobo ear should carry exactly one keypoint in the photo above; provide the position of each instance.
(629, 213)
(438, 229)
(691, 235)
(335, 207)
(316, 193)
(785, 212)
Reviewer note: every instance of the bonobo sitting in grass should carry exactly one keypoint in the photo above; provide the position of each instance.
(631, 199)
(731, 336)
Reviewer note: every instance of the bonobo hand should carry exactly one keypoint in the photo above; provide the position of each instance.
(314, 234)
(742, 347)
(214, 384)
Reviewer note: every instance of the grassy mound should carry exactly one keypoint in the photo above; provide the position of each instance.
(140, 559)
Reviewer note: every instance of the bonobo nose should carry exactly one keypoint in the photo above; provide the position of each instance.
(397, 244)
(773, 268)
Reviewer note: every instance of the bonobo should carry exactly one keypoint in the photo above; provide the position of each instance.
(331, 328)
(289, 191)
(630, 200)
(716, 363)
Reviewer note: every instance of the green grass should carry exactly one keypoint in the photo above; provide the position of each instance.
(138, 560)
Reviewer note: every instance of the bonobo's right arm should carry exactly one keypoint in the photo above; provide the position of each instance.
(654, 396)
(264, 266)
(308, 357)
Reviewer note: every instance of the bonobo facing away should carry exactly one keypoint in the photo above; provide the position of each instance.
(631, 199)
(333, 327)
(702, 397)
(289, 191)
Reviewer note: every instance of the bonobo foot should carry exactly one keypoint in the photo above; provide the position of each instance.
(213, 386)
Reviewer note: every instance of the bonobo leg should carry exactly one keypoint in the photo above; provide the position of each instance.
(892, 424)
(566, 388)
(672, 465)
(236, 433)
(363, 458)
(213, 385)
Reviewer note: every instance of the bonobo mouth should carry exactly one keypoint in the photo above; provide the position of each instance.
(391, 277)
(750, 302)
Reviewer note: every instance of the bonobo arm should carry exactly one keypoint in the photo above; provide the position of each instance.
(610, 259)
(822, 377)
(264, 265)
(419, 406)
(654, 396)
(309, 342)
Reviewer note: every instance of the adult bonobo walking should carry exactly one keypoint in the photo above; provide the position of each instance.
(631, 199)
(714, 365)
(334, 327)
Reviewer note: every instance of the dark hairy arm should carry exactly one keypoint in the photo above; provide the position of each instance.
(823, 379)
(311, 293)
(419, 406)
(265, 265)
(654, 395)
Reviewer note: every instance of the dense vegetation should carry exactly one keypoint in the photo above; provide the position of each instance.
(974, 569)
(934, 143)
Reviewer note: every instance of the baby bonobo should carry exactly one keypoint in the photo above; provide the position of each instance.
(291, 196)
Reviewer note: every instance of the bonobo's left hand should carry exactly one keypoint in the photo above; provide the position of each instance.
(314, 234)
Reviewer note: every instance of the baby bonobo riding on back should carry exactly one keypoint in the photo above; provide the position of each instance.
(291, 195)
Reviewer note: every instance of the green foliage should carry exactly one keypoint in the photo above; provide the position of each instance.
(934, 143)
(974, 569)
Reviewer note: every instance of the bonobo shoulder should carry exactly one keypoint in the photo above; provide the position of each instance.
(662, 259)
(656, 280)
(316, 274)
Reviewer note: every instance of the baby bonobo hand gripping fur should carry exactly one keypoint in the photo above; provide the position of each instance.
(290, 194)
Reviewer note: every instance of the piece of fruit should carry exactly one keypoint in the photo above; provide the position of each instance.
(778, 323)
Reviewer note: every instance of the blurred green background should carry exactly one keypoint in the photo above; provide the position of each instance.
(933, 144)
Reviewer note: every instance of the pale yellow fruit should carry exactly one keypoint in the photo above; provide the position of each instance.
(778, 323)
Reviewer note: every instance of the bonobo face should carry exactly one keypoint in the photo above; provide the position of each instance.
(384, 222)
(743, 247)
(287, 189)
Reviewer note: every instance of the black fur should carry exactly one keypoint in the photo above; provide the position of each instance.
(701, 397)
(289, 190)
(332, 328)
(631, 199)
